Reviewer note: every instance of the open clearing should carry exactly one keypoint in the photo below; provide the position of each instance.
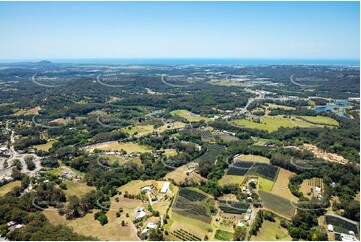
(191, 117)
(274, 106)
(320, 120)
(77, 188)
(253, 158)
(180, 175)
(280, 187)
(115, 145)
(273, 123)
(44, 147)
(7, 187)
(272, 231)
(231, 179)
(333, 157)
(308, 187)
(33, 111)
(277, 204)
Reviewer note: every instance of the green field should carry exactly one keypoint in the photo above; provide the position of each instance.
(271, 124)
(191, 117)
(277, 204)
(271, 231)
(7, 188)
(320, 120)
(223, 235)
(44, 147)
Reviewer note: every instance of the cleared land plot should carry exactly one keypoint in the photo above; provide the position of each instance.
(253, 158)
(274, 106)
(320, 120)
(44, 147)
(277, 204)
(33, 111)
(133, 187)
(223, 235)
(139, 129)
(308, 187)
(54, 216)
(77, 188)
(180, 174)
(121, 159)
(280, 187)
(115, 145)
(7, 187)
(113, 230)
(272, 231)
(231, 179)
(273, 123)
(191, 117)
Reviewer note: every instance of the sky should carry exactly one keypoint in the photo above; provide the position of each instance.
(259, 30)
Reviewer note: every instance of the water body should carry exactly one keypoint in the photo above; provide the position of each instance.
(197, 61)
(336, 106)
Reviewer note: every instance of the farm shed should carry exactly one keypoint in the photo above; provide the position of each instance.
(165, 187)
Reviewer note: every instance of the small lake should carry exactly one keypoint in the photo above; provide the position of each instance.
(336, 106)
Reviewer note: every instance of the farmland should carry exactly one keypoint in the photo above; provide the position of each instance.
(250, 168)
(253, 158)
(320, 120)
(280, 187)
(271, 124)
(340, 224)
(223, 235)
(233, 207)
(277, 204)
(191, 203)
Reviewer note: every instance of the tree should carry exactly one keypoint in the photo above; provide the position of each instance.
(239, 234)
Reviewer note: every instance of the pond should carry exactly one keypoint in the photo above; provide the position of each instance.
(337, 105)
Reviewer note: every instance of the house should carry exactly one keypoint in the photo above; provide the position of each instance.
(240, 224)
(140, 213)
(165, 187)
(330, 228)
(318, 189)
(146, 188)
(151, 226)
(248, 216)
(249, 211)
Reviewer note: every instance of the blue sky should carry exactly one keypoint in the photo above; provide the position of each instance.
(267, 30)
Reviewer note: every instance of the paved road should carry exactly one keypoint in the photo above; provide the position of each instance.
(14, 155)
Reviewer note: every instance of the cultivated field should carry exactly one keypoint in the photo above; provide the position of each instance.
(271, 231)
(280, 187)
(223, 235)
(191, 117)
(277, 204)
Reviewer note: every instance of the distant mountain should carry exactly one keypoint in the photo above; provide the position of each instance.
(44, 62)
